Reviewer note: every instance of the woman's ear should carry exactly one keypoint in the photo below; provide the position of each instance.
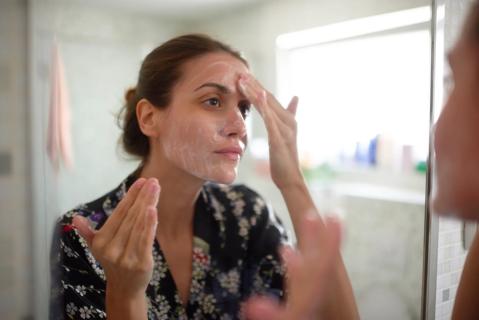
(148, 118)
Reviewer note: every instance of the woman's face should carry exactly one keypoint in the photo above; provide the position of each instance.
(203, 132)
(457, 135)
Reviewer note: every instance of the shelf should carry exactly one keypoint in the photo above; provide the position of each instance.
(377, 192)
(374, 184)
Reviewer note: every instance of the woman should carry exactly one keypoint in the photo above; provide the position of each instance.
(457, 156)
(176, 239)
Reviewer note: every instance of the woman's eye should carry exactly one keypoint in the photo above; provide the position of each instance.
(245, 109)
(213, 102)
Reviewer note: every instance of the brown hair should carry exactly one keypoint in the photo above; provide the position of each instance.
(475, 18)
(159, 72)
(470, 28)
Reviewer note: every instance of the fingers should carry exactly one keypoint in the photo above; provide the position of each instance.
(264, 101)
(292, 262)
(332, 241)
(320, 247)
(320, 240)
(290, 259)
(310, 269)
(260, 100)
(148, 196)
(256, 95)
(263, 308)
(149, 231)
(84, 229)
(143, 233)
(293, 105)
(113, 223)
(311, 229)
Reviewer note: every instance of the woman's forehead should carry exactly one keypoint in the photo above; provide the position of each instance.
(222, 68)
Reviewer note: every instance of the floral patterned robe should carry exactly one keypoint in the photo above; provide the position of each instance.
(236, 239)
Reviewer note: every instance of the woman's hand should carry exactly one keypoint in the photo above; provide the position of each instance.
(123, 246)
(308, 279)
(318, 282)
(282, 131)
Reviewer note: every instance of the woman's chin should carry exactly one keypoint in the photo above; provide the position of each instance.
(224, 178)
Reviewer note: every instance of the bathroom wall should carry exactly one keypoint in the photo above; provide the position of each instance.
(102, 49)
(383, 254)
(15, 212)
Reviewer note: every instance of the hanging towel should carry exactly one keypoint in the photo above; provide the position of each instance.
(59, 146)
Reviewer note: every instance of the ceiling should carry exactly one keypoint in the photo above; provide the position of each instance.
(182, 9)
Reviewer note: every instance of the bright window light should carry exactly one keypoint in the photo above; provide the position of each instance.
(354, 28)
(355, 90)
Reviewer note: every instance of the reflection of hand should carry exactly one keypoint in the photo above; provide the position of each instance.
(282, 131)
(308, 280)
(123, 246)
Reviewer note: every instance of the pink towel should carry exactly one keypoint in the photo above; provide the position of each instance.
(59, 146)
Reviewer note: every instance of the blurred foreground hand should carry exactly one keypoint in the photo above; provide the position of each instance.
(309, 273)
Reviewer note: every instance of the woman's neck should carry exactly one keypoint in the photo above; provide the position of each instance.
(179, 192)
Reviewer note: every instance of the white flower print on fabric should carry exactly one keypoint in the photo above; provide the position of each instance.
(71, 309)
(160, 269)
(162, 309)
(232, 194)
(68, 251)
(91, 259)
(86, 312)
(259, 206)
(81, 290)
(239, 207)
(201, 263)
(100, 314)
(230, 281)
(208, 304)
(223, 272)
(244, 227)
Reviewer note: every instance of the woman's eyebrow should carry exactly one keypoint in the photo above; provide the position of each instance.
(218, 86)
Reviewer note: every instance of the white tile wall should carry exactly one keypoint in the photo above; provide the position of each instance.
(450, 261)
(451, 255)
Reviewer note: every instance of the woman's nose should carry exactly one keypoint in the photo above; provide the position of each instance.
(235, 124)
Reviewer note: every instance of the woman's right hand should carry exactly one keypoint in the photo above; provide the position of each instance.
(123, 245)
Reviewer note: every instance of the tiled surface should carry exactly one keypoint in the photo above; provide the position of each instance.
(451, 255)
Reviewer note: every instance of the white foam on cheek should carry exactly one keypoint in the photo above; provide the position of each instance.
(191, 146)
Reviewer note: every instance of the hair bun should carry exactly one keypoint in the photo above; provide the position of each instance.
(130, 94)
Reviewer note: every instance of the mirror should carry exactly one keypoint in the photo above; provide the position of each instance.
(360, 68)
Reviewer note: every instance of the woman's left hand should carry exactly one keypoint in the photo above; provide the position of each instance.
(308, 282)
(282, 131)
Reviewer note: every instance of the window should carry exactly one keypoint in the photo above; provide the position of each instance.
(364, 91)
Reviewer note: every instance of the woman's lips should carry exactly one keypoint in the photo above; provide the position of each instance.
(230, 153)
